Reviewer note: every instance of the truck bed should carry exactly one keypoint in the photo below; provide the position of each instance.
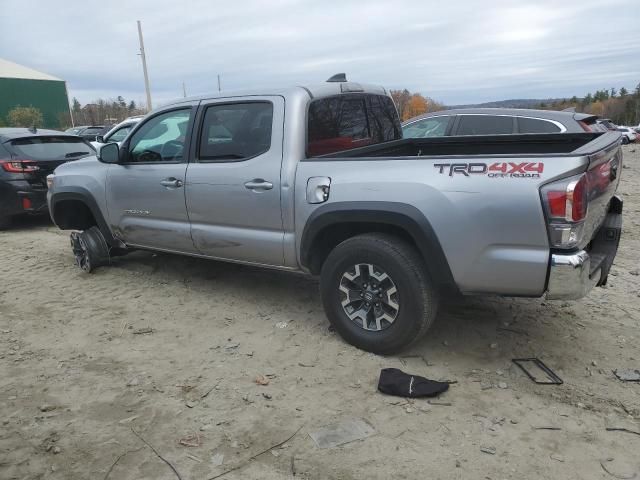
(529, 144)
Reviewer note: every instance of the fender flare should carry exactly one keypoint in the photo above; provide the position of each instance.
(83, 195)
(401, 215)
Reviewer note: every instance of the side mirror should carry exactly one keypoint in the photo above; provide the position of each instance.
(100, 138)
(109, 153)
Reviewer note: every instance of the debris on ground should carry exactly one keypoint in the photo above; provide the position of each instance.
(489, 450)
(217, 459)
(142, 331)
(282, 325)
(191, 440)
(557, 457)
(627, 374)
(47, 408)
(537, 371)
(340, 433)
(262, 380)
(393, 381)
(618, 469)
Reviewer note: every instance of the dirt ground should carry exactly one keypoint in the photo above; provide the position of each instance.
(78, 379)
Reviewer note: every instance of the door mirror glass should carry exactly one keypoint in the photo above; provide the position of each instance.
(109, 153)
(100, 138)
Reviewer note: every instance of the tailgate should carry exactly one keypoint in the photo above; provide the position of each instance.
(603, 175)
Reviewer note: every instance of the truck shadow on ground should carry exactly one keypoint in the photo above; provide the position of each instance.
(483, 327)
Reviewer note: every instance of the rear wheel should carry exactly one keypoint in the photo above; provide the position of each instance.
(90, 249)
(625, 140)
(377, 294)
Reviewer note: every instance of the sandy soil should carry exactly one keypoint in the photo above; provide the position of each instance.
(77, 379)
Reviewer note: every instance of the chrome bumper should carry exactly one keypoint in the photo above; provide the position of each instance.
(569, 277)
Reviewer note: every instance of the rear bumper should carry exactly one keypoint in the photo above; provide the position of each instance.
(18, 197)
(573, 275)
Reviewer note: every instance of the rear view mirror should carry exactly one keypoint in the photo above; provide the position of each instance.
(100, 138)
(109, 153)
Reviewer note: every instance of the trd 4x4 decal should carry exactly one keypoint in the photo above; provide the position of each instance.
(494, 170)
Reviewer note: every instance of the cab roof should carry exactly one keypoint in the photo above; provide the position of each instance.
(313, 91)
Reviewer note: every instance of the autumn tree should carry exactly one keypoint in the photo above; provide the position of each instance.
(401, 99)
(24, 117)
(417, 105)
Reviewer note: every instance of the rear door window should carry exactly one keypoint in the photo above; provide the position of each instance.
(236, 131)
(535, 125)
(427, 127)
(51, 148)
(485, 125)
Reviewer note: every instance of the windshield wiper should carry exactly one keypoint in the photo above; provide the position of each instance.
(75, 154)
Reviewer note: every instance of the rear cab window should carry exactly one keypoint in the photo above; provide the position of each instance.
(485, 125)
(344, 122)
(50, 148)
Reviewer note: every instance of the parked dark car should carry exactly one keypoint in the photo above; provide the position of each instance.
(27, 156)
(90, 133)
(75, 130)
(497, 121)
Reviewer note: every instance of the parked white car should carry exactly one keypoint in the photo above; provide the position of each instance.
(118, 133)
(628, 134)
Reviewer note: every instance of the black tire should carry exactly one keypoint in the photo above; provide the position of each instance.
(625, 140)
(416, 297)
(90, 249)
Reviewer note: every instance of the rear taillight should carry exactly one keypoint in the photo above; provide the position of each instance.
(566, 204)
(18, 166)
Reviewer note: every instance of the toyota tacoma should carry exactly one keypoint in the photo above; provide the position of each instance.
(318, 179)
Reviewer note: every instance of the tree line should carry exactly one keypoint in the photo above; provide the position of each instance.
(104, 112)
(410, 105)
(621, 106)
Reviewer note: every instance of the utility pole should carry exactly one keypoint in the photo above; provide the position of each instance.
(218, 82)
(184, 90)
(144, 67)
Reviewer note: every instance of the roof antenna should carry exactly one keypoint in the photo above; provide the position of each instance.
(338, 77)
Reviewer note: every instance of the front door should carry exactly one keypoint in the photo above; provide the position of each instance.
(233, 181)
(145, 192)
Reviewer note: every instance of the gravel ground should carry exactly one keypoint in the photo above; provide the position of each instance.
(81, 384)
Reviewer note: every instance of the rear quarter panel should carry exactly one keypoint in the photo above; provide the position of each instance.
(491, 228)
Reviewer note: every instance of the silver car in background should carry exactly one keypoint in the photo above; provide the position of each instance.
(118, 133)
(498, 121)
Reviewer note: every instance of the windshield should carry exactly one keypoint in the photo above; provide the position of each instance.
(51, 148)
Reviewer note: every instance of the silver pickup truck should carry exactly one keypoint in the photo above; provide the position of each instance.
(318, 179)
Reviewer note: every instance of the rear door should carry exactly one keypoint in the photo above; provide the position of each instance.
(145, 192)
(233, 180)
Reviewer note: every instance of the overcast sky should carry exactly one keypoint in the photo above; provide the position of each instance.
(456, 51)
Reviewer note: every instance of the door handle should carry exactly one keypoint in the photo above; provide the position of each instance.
(258, 184)
(171, 182)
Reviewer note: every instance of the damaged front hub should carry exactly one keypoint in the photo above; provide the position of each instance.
(90, 249)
